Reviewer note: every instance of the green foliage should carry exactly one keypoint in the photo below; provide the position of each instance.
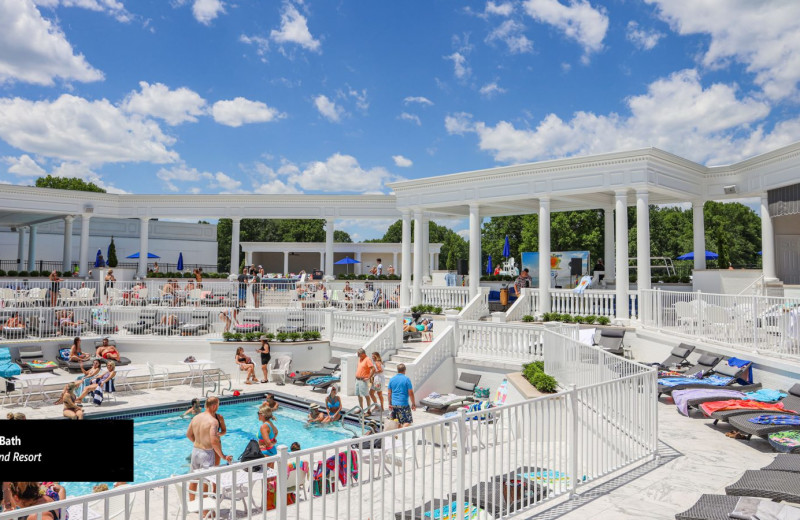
(237, 336)
(67, 183)
(603, 320)
(112, 254)
(528, 318)
(270, 336)
(33, 273)
(2, 273)
(252, 336)
(13, 272)
(426, 309)
(295, 336)
(22, 273)
(282, 336)
(453, 246)
(545, 383)
(228, 336)
(308, 335)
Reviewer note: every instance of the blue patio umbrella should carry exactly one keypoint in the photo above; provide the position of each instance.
(98, 262)
(347, 261)
(710, 255)
(180, 261)
(136, 255)
(506, 248)
(489, 265)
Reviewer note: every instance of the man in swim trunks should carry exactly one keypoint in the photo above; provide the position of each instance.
(203, 431)
(107, 351)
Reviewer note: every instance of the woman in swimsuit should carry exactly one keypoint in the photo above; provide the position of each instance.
(90, 374)
(269, 400)
(100, 381)
(333, 404)
(75, 353)
(265, 357)
(229, 316)
(194, 409)
(27, 494)
(378, 380)
(54, 279)
(246, 364)
(267, 433)
(72, 409)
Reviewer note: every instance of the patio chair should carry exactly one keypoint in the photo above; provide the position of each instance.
(147, 320)
(327, 369)
(611, 340)
(189, 503)
(31, 359)
(790, 402)
(714, 507)
(774, 485)
(785, 462)
(677, 357)
(169, 328)
(157, 374)
(199, 323)
(249, 322)
(743, 425)
(463, 392)
(279, 367)
(297, 481)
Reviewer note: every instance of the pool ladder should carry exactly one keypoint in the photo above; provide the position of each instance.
(356, 411)
(216, 386)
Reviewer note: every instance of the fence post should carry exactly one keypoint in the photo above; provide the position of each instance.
(453, 321)
(329, 322)
(280, 492)
(572, 443)
(398, 329)
(460, 466)
(755, 323)
(701, 329)
(659, 308)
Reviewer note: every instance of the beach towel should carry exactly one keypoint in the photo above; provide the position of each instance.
(63, 354)
(781, 420)
(682, 397)
(712, 380)
(785, 442)
(736, 362)
(741, 404)
(330, 466)
(444, 513)
(766, 395)
(314, 381)
(40, 363)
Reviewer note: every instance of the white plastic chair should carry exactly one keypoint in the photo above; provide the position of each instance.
(193, 506)
(297, 481)
(279, 367)
(157, 374)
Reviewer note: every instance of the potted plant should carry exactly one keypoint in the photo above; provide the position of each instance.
(527, 318)
(295, 336)
(282, 336)
(270, 336)
(227, 336)
(237, 336)
(251, 336)
(603, 320)
(308, 335)
(316, 334)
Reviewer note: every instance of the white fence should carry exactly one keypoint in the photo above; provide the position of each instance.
(445, 297)
(553, 445)
(356, 327)
(767, 324)
(478, 307)
(508, 341)
(592, 302)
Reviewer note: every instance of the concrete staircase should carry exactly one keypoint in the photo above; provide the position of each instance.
(406, 354)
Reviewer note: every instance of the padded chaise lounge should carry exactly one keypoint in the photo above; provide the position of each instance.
(723, 376)
(147, 320)
(790, 402)
(779, 486)
(31, 359)
(327, 369)
(464, 390)
(713, 507)
(742, 424)
(676, 357)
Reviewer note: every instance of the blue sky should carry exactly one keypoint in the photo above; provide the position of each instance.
(256, 96)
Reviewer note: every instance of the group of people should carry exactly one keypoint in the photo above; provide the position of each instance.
(18, 495)
(246, 363)
(370, 382)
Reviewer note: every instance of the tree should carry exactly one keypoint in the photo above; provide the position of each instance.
(342, 236)
(453, 246)
(112, 254)
(67, 183)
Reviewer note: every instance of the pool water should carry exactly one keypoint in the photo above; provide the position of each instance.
(161, 448)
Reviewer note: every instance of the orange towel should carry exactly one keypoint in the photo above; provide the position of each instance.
(717, 406)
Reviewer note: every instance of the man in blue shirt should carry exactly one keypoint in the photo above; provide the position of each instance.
(400, 396)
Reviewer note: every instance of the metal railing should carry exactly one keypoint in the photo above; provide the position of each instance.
(770, 325)
(552, 446)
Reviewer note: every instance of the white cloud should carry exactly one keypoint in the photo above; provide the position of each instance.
(642, 38)
(205, 11)
(223, 182)
(261, 44)
(276, 187)
(294, 29)
(678, 114)
(578, 20)
(34, 50)
(361, 98)
(418, 99)
(510, 32)
(760, 35)
(342, 173)
(238, 111)
(504, 9)
(173, 106)
(491, 89)
(328, 109)
(74, 129)
(402, 162)
(461, 68)
(181, 173)
(85, 172)
(112, 7)
(411, 118)
(24, 166)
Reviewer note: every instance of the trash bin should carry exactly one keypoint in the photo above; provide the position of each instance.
(504, 294)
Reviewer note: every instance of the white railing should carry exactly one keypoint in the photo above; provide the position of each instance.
(766, 324)
(441, 348)
(445, 297)
(385, 341)
(523, 306)
(500, 341)
(574, 437)
(591, 303)
(757, 286)
(356, 327)
(478, 307)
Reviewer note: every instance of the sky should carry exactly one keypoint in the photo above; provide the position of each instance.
(301, 96)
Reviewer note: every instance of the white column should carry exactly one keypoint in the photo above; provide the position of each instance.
(394, 262)
(544, 255)
(767, 242)
(699, 229)
(66, 258)
(144, 245)
(329, 247)
(357, 267)
(322, 260)
(285, 262)
(84, 256)
(405, 257)
(474, 249)
(416, 296)
(622, 254)
(20, 248)
(426, 257)
(235, 230)
(32, 248)
(248, 258)
(608, 243)
(642, 239)
(435, 261)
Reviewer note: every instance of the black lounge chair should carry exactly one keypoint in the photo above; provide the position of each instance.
(122, 359)
(785, 462)
(742, 424)
(465, 389)
(676, 357)
(249, 323)
(695, 403)
(722, 369)
(774, 485)
(172, 326)
(27, 355)
(421, 512)
(711, 507)
(704, 364)
(327, 369)
(611, 340)
(199, 323)
(147, 320)
(790, 402)
(74, 366)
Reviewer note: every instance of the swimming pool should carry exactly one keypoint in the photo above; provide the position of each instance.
(161, 448)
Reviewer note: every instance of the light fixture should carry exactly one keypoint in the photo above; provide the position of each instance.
(88, 209)
(731, 190)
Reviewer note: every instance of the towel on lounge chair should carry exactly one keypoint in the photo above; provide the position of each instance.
(739, 363)
(741, 404)
(682, 397)
(443, 513)
(314, 381)
(785, 442)
(788, 420)
(766, 395)
(712, 380)
(42, 364)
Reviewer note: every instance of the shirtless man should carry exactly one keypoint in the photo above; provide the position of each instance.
(203, 431)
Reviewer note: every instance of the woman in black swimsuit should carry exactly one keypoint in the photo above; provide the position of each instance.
(265, 357)
(246, 364)
(27, 494)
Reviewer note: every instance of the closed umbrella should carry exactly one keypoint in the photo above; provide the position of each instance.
(489, 265)
(506, 248)
(180, 261)
(98, 261)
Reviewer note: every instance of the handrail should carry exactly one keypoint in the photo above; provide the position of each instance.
(478, 306)
(760, 280)
(521, 306)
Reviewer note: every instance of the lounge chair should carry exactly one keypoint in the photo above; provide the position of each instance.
(712, 507)
(31, 359)
(743, 425)
(72, 366)
(488, 495)
(676, 357)
(169, 328)
(199, 323)
(785, 462)
(322, 382)
(704, 366)
(464, 389)
(101, 321)
(8, 369)
(122, 359)
(147, 320)
(790, 402)
(431, 509)
(611, 340)
(327, 369)
(774, 485)
(249, 323)
(723, 375)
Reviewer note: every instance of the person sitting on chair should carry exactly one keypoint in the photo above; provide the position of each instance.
(75, 352)
(169, 319)
(15, 321)
(100, 381)
(246, 365)
(107, 351)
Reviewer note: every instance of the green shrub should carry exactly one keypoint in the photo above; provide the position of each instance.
(252, 336)
(316, 334)
(603, 320)
(590, 319)
(33, 273)
(545, 383)
(393, 277)
(237, 336)
(23, 273)
(484, 278)
(2, 273)
(529, 370)
(227, 336)
(295, 336)
(527, 318)
(566, 318)
(13, 272)
(437, 310)
(308, 335)
(282, 336)
(66, 274)
(685, 279)
(188, 275)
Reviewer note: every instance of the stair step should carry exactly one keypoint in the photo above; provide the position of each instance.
(403, 359)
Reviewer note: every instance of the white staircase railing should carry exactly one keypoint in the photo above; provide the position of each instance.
(445, 297)
(500, 341)
(757, 286)
(523, 306)
(440, 349)
(358, 327)
(384, 342)
(478, 307)
(596, 302)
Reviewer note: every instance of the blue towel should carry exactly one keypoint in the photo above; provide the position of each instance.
(736, 362)
(781, 420)
(314, 381)
(765, 395)
(712, 380)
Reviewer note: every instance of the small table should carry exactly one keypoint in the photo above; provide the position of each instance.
(123, 372)
(33, 384)
(196, 369)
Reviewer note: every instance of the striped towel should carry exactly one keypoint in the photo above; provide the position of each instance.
(788, 420)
